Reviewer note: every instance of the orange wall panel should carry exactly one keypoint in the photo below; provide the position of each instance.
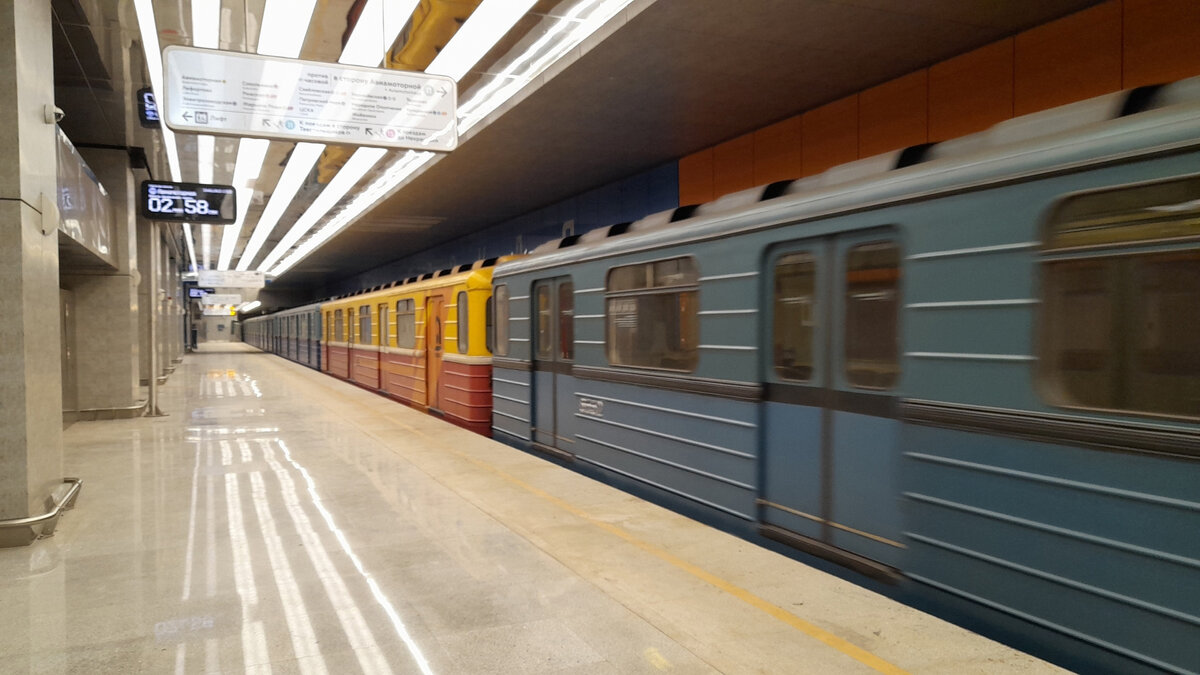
(777, 152)
(1076, 57)
(971, 92)
(696, 178)
(829, 135)
(894, 115)
(1162, 41)
(733, 165)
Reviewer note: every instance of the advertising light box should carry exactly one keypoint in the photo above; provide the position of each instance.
(188, 202)
(236, 94)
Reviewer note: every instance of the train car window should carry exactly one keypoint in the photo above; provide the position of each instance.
(339, 328)
(545, 347)
(365, 336)
(566, 321)
(1121, 283)
(795, 316)
(406, 324)
(651, 315)
(872, 345)
(463, 327)
(500, 338)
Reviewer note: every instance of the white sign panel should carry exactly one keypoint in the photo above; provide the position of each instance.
(221, 299)
(230, 279)
(220, 304)
(235, 94)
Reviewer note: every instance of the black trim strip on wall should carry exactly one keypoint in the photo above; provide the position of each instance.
(864, 403)
(510, 364)
(741, 391)
(1061, 429)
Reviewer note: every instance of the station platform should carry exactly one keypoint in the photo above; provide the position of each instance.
(278, 520)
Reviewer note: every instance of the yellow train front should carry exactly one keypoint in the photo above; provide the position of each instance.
(423, 342)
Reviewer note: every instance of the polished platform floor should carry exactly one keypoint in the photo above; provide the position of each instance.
(280, 521)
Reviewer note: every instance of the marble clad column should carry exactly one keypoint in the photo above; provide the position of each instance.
(106, 302)
(31, 464)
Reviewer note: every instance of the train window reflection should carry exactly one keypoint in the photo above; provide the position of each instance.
(545, 346)
(500, 319)
(1119, 333)
(651, 315)
(406, 325)
(364, 326)
(566, 321)
(872, 315)
(795, 316)
(462, 326)
(339, 328)
(1118, 327)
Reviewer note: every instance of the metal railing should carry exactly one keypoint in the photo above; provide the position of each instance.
(48, 520)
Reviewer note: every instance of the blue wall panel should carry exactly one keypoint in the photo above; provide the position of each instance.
(628, 199)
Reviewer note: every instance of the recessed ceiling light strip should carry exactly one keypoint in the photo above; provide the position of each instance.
(206, 27)
(490, 21)
(374, 33)
(284, 27)
(567, 33)
(149, 32)
(298, 168)
(356, 167)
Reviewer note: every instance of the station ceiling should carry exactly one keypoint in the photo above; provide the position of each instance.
(668, 78)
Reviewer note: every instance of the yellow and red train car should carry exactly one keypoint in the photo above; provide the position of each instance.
(422, 342)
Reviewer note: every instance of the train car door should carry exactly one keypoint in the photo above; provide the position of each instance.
(553, 356)
(433, 351)
(382, 331)
(831, 434)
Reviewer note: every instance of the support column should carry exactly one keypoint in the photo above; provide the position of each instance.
(31, 460)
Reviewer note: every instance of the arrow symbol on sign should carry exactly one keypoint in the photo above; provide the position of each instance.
(187, 116)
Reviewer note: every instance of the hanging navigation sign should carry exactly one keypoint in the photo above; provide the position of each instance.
(235, 94)
(231, 278)
(188, 202)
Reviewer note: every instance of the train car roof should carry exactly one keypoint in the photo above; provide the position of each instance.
(476, 274)
(1104, 126)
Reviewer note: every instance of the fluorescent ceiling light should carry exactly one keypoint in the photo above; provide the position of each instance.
(206, 29)
(206, 23)
(490, 21)
(356, 167)
(284, 26)
(251, 152)
(566, 34)
(149, 33)
(298, 168)
(401, 169)
(247, 306)
(375, 31)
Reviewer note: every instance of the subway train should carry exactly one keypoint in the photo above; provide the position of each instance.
(970, 369)
(431, 354)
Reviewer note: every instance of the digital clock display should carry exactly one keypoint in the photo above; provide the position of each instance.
(147, 108)
(188, 202)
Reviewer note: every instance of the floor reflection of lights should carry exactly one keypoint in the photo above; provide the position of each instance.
(380, 597)
(237, 456)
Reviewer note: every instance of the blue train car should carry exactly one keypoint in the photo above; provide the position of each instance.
(971, 367)
(294, 334)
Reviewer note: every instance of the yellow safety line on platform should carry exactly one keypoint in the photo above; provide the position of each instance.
(849, 649)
